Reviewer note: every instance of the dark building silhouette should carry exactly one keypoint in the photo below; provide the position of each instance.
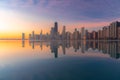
(56, 27)
(54, 32)
(64, 33)
(54, 48)
(63, 47)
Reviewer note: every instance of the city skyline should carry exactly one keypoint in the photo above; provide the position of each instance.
(59, 39)
(19, 16)
(109, 32)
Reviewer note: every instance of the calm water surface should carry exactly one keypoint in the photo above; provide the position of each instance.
(59, 60)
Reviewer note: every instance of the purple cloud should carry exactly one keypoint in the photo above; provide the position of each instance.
(69, 10)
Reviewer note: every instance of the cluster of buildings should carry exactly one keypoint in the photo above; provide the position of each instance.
(111, 32)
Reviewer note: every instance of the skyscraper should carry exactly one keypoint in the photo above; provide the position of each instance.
(64, 33)
(56, 27)
(54, 32)
(113, 30)
(83, 35)
(33, 35)
(41, 35)
(30, 37)
(76, 34)
(23, 36)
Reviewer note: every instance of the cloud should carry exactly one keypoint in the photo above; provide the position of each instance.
(69, 10)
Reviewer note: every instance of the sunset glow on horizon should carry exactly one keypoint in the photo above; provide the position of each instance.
(17, 16)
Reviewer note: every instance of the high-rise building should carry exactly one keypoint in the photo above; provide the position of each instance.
(104, 32)
(76, 34)
(87, 34)
(107, 33)
(114, 30)
(100, 34)
(95, 35)
(33, 35)
(37, 37)
(118, 30)
(83, 34)
(52, 33)
(64, 33)
(41, 35)
(30, 37)
(56, 27)
(23, 36)
(68, 34)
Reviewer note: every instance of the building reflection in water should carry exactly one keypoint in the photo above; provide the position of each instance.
(23, 43)
(54, 48)
(106, 47)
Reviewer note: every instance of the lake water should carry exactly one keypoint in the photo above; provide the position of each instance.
(59, 60)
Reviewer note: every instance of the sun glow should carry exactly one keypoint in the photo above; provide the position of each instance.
(13, 23)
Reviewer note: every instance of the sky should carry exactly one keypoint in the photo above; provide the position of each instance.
(17, 16)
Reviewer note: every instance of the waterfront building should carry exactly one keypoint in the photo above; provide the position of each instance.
(87, 34)
(64, 33)
(23, 36)
(95, 35)
(104, 32)
(83, 34)
(76, 34)
(114, 30)
(56, 28)
(41, 35)
(107, 33)
(118, 30)
(68, 34)
(33, 35)
(54, 32)
(37, 37)
(30, 36)
(100, 35)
